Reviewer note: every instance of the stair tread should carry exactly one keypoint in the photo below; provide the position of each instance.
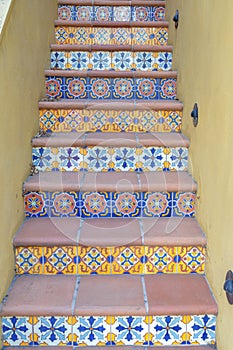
(154, 24)
(95, 47)
(111, 74)
(112, 2)
(110, 232)
(112, 139)
(206, 347)
(102, 295)
(111, 104)
(111, 181)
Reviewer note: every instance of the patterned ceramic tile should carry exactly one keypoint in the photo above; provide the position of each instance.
(45, 158)
(151, 158)
(103, 13)
(184, 204)
(128, 260)
(60, 260)
(126, 204)
(123, 88)
(124, 159)
(82, 13)
(78, 60)
(157, 204)
(157, 259)
(164, 61)
(177, 158)
(122, 60)
(53, 87)
(100, 88)
(102, 36)
(100, 60)
(190, 259)
(121, 36)
(49, 120)
(96, 204)
(168, 89)
(29, 260)
(97, 158)
(53, 331)
(141, 13)
(75, 88)
(201, 329)
(168, 330)
(122, 13)
(37, 204)
(91, 331)
(95, 260)
(158, 13)
(146, 88)
(64, 13)
(130, 330)
(58, 60)
(65, 204)
(69, 158)
(17, 331)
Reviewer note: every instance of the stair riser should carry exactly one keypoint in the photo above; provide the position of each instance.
(111, 88)
(106, 60)
(111, 13)
(111, 35)
(109, 330)
(110, 158)
(109, 260)
(109, 204)
(62, 120)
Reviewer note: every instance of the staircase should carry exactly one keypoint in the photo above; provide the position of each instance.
(110, 252)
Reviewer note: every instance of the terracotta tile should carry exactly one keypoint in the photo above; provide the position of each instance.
(40, 295)
(167, 181)
(111, 139)
(110, 232)
(54, 181)
(110, 182)
(179, 295)
(48, 232)
(110, 295)
(60, 140)
(162, 139)
(172, 231)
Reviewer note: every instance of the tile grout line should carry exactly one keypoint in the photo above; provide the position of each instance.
(79, 230)
(75, 295)
(142, 231)
(145, 294)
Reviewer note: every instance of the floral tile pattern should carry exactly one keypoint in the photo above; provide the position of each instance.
(109, 121)
(94, 35)
(201, 329)
(29, 260)
(17, 331)
(110, 13)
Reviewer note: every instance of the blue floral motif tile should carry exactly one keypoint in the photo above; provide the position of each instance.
(96, 204)
(58, 60)
(144, 60)
(78, 60)
(141, 13)
(17, 331)
(122, 13)
(100, 88)
(102, 36)
(61, 35)
(162, 36)
(156, 204)
(37, 204)
(184, 204)
(91, 331)
(45, 158)
(54, 87)
(158, 13)
(168, 330)
(65, 204)
(152, 158)
(146, 88)
(123, 88)
(164, 61)
(69, 158)
(123, 120)
(103, 13)
(178, 158)
(126, 204)
(83, 13)
(100, 60)
(168, 89)
(121, 36)
(122, 60)
(97, 159)
(52, 331)
(202, 329)
(130, 330)
(75, 88)
(64, 12)
(124, 159)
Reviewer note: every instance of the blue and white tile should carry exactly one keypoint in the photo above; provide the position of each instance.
(202, 329)
(164, 61)
(122, 13)
(17, 331)
(178, 158)
(130, 330)
(97, 159)
(122, 60)
(78, 60)
(58, 59)
(100, 60)
(124, 159)
(69, 158)
(152, 158)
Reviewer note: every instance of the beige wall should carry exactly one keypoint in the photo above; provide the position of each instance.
(24, 53)
(203, 56)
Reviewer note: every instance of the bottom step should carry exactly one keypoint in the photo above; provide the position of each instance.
(118, 348)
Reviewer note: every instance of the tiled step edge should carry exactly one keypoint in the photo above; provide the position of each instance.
(126, 24)
(110, 348)
(112, 2)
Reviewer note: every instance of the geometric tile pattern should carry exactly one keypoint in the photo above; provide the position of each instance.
(61, 120)
(111, 13)
(109, 330)
(100, 159)
(116, 61)
(111, 88)
(82, 260)
(111, 35)
(109, 204)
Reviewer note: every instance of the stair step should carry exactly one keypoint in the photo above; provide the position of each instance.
(116, 60)
(117, 152)
(110, 246)
(76, 304)
(113, 33)
(119, 348)
(103, 85)
(110, 194)
(110, 116)
(100, 10)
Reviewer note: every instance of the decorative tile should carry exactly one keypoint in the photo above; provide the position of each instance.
(146, 88)
(173, 120)
(158, 13)
(69, 158)
(122, 60)
(76, 88)
(100, 88)
(124, 159)
(164, 61)
(157, 204)
(17, 331)
(121, 36)
(157, 259)
(102, 36)
(123, 120)
(65, 204)
(29, 260)
(36, 204)
(58, 60)
(94, 260)
(177, 158)
(184, 204)
(130, 330)
(100, 60)
(49, 120)
(91, 331)
(103, 13)
(53, 87)
(160, 36)
(97, 158)
(99, 120)
(201, 330)
(60, 260)
(53, 331)
(122, 13)
(151, 158)
(45, 158)
(128, 260)
(83, 13)
(96, 204)
(144, 61)
(78, 60)
(126, 204)
(168, 89)
(168, 330)
(61, 35)
(190, 259)
(141, 13)
(123, 88)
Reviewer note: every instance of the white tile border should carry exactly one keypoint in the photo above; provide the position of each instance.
(4, 7)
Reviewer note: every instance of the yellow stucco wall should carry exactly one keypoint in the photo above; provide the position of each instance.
(203, 56)
(24, 53)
